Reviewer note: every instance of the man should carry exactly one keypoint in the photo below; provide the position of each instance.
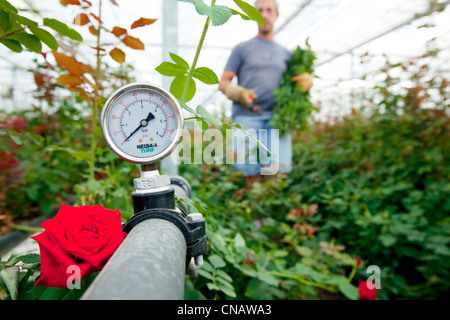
(259, 64)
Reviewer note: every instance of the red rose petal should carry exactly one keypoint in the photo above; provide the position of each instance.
(51, 275)
(83, 236)
(365, 293)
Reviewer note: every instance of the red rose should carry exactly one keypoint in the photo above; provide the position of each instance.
(83, 236)
(8, 160)
(365, 293)
(358, 262)
(15, 123)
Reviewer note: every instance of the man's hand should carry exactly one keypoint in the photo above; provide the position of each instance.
(304, 81)
(242, 95)
(246, 98)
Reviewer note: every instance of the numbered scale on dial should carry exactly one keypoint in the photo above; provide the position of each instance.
(142, 123)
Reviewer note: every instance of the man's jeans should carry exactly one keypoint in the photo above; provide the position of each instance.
(249, 160)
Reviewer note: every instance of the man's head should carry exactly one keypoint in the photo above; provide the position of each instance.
(269, 11)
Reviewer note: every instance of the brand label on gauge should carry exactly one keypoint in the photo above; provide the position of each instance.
(146, 148)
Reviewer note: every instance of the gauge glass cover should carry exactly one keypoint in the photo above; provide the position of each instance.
(142, 123)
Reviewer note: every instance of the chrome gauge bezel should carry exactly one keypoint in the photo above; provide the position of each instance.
(115, 97)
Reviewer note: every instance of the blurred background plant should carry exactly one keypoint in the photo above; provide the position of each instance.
(58, 142)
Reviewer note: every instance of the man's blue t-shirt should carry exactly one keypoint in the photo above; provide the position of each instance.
(259, 65)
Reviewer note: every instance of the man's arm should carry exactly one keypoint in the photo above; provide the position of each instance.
(225, 80)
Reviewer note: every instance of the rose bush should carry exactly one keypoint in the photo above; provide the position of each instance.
(82, 236)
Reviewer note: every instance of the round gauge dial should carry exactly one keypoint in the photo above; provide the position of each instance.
(142, 123)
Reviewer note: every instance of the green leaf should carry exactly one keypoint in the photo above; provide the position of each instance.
(387, 240)
(185, 106)
(177, 87)
(15, 137)
(227, 290)
(54, 293)
(12, 44)
(304, 251)
(243, 16)
(267, 278)
(205, 274)
(171, 69)
(205, 75)
(7, 5)
(349, 290)
(250, 11)
(224, 283)
(37, 291)
(202, 112)
(207, 267)
(238, 126)
(13, 258)
(62, 29)
(194, 204)
(5, 20)
(25, 21)
(30, 41)
(220, 15)
(93, 185)
(202, 8)
(179, 61)
(202, 123)
(11, 278)
(77, 154)
(212, 286)
(223, 274)
(239, 240)
(35, 138)
(216, 261)
(46, 37)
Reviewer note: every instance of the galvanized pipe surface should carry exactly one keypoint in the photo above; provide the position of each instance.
(150, 264)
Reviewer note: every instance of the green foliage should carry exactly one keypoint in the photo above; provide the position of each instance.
(384, 195)
(292, 105)
(381, 181)
(183, 86)
(260, 245)
(17, 279)
(14, 27)
(373, 185)
(62, 28)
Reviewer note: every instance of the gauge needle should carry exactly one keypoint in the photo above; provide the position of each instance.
(143, 123)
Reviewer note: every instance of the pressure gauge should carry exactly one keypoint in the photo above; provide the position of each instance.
(142, 123)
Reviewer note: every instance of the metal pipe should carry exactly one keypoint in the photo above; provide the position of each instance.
(150, 264)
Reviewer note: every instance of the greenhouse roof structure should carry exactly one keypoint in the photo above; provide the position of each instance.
(339, 32)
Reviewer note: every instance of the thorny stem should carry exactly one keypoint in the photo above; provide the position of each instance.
(28, 228)
(10, 266)
(197, 54)
(302, 280)
(352, 274)
(234, 125)
(14, 32)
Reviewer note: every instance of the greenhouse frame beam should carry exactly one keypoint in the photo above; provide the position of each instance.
(293, 15)
(417, 16)
(169, 45)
